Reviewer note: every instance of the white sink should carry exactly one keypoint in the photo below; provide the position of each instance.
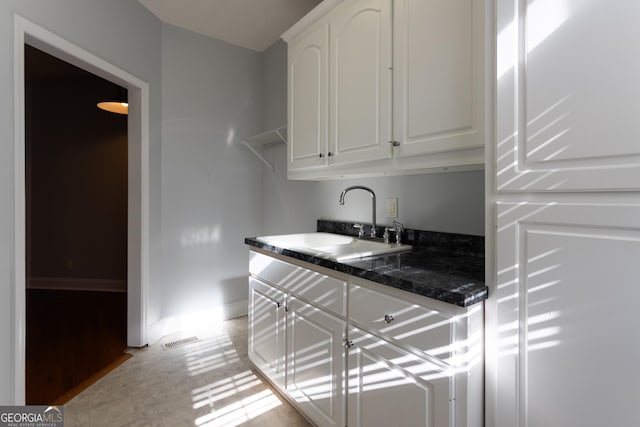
(331, 246)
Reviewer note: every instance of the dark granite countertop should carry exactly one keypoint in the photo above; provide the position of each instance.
(444, 266)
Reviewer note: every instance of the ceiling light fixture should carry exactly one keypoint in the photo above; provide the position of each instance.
(119, 106)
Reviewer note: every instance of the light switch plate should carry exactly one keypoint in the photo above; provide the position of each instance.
(392, 207)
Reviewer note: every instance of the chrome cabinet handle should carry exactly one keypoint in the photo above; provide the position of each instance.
(388, 318)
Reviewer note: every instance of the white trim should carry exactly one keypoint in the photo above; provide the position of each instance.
(76, 284)
(202, 324)
(317, 13)
(138, 274)
(19, 229)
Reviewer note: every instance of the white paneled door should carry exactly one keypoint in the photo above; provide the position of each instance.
(438, 75)
(266, 329)
(390, 387)
(308, 91)
(315, 362)
(567, 346)
(360, 81)
(568, 343)
(568, 95)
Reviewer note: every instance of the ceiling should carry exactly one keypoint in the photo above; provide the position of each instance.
(253, 24)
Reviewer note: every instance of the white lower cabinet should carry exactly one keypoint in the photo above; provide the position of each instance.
(297, 329)
(412, 360)
(315, 362)
(266, 330)
(391, 387)
(387, 358)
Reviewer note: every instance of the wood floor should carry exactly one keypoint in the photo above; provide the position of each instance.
(71, 335)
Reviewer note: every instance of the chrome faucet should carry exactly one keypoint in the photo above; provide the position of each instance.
(373, 204)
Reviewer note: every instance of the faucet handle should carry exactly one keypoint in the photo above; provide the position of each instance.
(399, 228)
(360, 228)
(385, 236)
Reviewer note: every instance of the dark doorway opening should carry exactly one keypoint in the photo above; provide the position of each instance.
(76, 200)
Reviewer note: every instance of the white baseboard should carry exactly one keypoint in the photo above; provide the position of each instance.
(76, 284)
(203, 324)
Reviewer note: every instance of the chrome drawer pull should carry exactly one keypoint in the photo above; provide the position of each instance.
(388, 318)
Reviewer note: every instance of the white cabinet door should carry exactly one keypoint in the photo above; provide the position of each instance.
(308, 91)
(360, 81)
(316, 363)
(390, 387)
(266, 330)
(438, 75)
(567, 338)
(568, 95)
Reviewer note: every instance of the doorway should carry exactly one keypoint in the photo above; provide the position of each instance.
(27, 32)
(76, 200)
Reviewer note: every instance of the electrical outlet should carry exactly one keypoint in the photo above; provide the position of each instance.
(392, 207)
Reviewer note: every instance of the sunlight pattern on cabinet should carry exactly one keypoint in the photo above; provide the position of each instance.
(544, 16)
(565, 272)
(429, 353)
(552, 97)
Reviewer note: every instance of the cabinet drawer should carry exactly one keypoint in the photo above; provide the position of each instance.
(411, 325)
(320, 289)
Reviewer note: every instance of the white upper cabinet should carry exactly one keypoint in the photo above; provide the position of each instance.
(568, 95)
(360, 81)
(308, 90)
(402, 83)
(438, 76)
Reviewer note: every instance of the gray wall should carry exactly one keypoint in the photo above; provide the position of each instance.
(447, 202)
(288, 206)
(274, 83)
(133, 46)
(210, 184)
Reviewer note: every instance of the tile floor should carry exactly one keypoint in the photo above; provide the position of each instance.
(207, 383)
